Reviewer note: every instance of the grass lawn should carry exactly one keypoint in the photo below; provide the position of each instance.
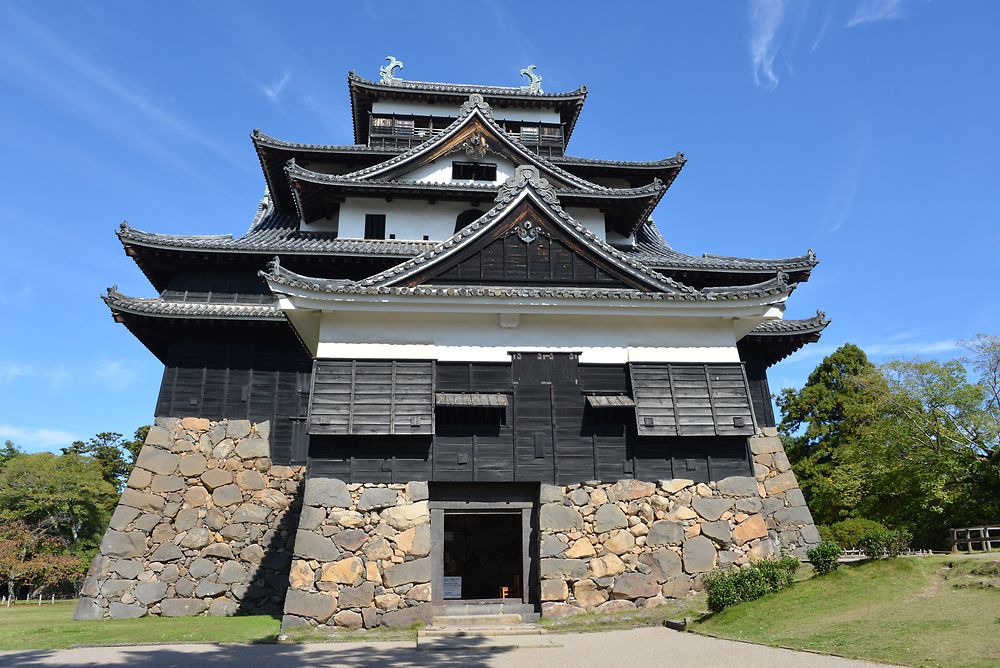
(52, 627)
(931, 611)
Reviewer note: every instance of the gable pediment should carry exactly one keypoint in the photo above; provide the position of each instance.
(526, 247)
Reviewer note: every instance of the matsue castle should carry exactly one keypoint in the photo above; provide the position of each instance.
(450, 370)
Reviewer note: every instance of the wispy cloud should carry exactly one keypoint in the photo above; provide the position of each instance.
(12, 372)
(104, 81)
(765, 19)
(116, 373)
(870, 11)
(36, 438)
(898, 348)
(274, 90)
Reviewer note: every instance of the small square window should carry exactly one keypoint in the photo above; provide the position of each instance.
(474, 171)
(375, 226)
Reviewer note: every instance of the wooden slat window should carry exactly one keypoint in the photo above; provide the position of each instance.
(691, 400)
(358, 397)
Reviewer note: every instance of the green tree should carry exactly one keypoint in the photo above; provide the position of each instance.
(63, 496)
(114, 452)
(815, 425)
(8, 452)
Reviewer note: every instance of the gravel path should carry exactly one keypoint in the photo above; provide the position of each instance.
(637, 648)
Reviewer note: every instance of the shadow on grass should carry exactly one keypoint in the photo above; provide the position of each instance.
(474, 653)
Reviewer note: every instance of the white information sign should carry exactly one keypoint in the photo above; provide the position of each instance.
(452, 586)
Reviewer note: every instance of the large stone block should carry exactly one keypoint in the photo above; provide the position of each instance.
(252, 513)
(166, 552)
(711, 509)
(635, 585)
(631, 490)
(408, 572)
(214, 478)
(793, 517)
(349, 571)
(376, 498)
(609, 517)
(560, 610)
(252, 448)
(675, 485)
(118, 610)
(349, 619)
(123, 544)
(86, 610)
(552, 546)
(605, 566)
(192, 465)
(554, 590)
(181, 607)
(160, 437)
(699, 555)
(421, 545)
(251, 480)
(149, 593)
(404, 517)
(717, 531)
(407, 616)
(760, 445)
(780, 483)
(664, 564)
(557, 517)
(237, 428)
(207, 588)
(122, 517)
(318, 606)
(550, 494)
(588, 594)
(619, 542)
(571, 569)
(327, 493)
(749, 529)
(665, 532)
(157, 461)
(738, 486)
(580, 549)
(232, 572)
(352, 539)
(361, 596)
(416, 490)
(142, 501)
(197, 538)
(309, 545)
(227, 495)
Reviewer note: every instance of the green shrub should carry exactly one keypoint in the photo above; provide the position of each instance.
(824, 557)
(728, 588)
(884, 543)
(847, 533)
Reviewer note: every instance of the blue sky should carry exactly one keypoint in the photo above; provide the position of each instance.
(864, 129)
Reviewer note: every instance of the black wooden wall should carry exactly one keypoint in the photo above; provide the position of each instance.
(267, 380)
(547, 433)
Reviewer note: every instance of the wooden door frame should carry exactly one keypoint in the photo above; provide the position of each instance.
(438, 509)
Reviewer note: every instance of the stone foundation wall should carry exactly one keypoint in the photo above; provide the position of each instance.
(204, 526)
(618, 546)
(361, 556)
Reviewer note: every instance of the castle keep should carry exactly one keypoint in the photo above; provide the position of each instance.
(450, 365)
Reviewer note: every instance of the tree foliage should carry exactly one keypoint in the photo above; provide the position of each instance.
(114, 452)
(911, 444)
(31, 558)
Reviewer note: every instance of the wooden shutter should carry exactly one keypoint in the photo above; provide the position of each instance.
(691, 400)
(353, 397)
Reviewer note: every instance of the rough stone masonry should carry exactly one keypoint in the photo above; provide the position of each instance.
(208, 525)
(205, 526)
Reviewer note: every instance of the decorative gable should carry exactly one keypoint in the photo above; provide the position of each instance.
(526, 247)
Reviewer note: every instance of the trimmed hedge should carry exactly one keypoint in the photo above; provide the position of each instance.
(884, 543)
(824, 557)
(848, 533)
(728, 588)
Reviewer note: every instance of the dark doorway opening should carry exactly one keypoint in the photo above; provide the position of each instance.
(484, 550)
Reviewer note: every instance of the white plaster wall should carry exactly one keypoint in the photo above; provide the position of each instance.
(480, 337)
(428, 109)
(407, 219)
(616, 239)
(439, 171)
(591, 218)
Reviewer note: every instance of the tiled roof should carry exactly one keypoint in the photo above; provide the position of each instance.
(650, 247)
(157, 306)
(812, 325)
(276, 233)
(463, 89)
(527, 179)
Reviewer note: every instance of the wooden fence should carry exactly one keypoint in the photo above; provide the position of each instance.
(976, 539)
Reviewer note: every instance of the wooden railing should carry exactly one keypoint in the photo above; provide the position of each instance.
(984, 538)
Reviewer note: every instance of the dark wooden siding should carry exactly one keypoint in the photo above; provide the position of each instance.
(359, 397)
(265, 382)
(508, 260)
(691, 400)
(760, 393)
(547, 433)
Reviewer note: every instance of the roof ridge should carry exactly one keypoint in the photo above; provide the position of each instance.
(443, 87)
(477, 106)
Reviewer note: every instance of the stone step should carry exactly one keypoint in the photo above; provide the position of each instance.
(464, 621)
(484, 631)
(484, 608)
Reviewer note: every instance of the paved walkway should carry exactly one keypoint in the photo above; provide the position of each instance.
(637, 648)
